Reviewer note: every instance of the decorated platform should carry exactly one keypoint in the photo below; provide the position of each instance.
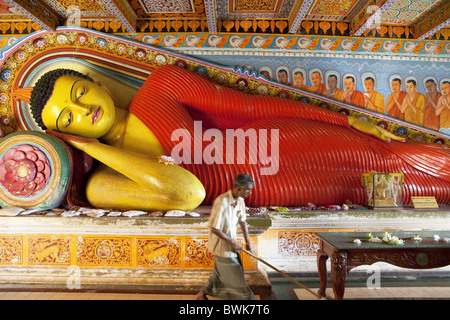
(167, 254)
(114, 253)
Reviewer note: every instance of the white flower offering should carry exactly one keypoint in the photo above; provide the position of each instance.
(391, 239)
(386, 238)
(375, 240)
(166, 160)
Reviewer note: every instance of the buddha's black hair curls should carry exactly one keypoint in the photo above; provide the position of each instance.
(43, 89)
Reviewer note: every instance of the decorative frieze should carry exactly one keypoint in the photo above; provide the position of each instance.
(92, 251)
(294, 243)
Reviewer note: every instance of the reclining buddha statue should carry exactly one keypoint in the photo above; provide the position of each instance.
(320, 154)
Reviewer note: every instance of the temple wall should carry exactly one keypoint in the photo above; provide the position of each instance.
(167, 253)
(125, 251)
(128, 253)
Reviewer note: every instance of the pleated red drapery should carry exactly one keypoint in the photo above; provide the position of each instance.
(321, 159)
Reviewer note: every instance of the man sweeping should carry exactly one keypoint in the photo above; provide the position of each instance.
(227, 280)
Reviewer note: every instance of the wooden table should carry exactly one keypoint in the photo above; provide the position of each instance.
(346, 255)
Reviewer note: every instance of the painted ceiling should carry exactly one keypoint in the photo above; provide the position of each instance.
(419, 19)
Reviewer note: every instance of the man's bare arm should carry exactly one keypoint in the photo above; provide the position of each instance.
(236, 245)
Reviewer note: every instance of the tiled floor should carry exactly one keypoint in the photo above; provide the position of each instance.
(389, 293)
(394, 286)
(89, 296)
(408, 285)
(93, 296)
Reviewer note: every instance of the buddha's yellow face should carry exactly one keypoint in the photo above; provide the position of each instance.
(80, 107)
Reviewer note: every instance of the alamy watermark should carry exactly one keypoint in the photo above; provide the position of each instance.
(375, 19)
(74, 16)
(374, 279)
(250, 146)
(74, 278)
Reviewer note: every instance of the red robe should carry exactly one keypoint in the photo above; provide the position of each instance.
(321, 159)
(356, 99)
(395, 111)
(430, 119)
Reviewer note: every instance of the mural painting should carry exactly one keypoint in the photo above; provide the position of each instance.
(418, 96)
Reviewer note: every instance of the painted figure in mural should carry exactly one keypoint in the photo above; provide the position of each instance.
(395, 100)
(316, 155)
(333, 91)
(413, 105)
(351, 95)
(283, 77)
(317, 86)
(431, 120)
(266, 74)
(374, 101)
(299, 81)
(443, 106)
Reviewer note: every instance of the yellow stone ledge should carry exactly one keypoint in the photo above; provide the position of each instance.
(73, 278)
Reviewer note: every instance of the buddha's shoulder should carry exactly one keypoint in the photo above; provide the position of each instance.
(138, 137)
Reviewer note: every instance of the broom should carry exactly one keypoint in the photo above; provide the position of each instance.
(285, 275)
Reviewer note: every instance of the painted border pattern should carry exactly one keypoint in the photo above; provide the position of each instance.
(297, 243)
(104, 251)
(285, 44)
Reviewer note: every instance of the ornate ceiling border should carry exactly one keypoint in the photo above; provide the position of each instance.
(274, 27)
(224, 12)
(428, 50)
(65, 12)
(283, 45)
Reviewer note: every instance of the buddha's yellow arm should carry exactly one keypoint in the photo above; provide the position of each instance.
(154, 184)
(374, 130)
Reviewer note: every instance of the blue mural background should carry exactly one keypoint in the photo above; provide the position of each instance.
(383, 69)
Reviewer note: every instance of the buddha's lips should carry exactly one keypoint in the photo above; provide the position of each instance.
(95, 115)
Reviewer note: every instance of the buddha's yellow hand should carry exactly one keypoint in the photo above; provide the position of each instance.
(374, 130)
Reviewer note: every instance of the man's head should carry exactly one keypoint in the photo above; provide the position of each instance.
(396, 85)
(431, 85)
(70, 102)
(369, 83)
(266, 74)
(243, 185)
(332, 81)
(445, 88)
(283, 76)
(298, 77)
(43, 89)
(411, 86)
(316, 78)
(349, 83)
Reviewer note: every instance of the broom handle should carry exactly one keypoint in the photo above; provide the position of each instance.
(282, 273)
